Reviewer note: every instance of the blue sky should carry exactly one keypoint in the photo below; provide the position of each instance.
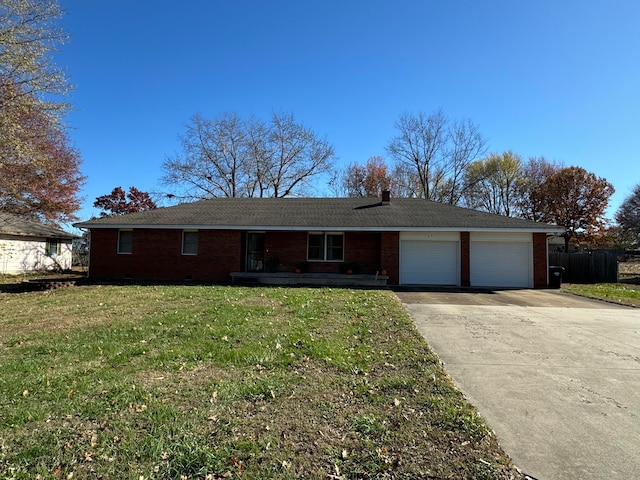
(558, 79)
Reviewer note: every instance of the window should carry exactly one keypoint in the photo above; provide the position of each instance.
(53, 247)
(325, 247)
(335, 247)
(189, 242)
(125, 241)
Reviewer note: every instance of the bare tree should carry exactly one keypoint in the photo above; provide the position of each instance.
(294, 156)
(466, 144)
(213, 162)
(405, 181)
(628, 215)
(438, 151)
(536, 172)
(232, 157)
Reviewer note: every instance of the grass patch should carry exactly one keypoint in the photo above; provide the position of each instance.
(216, 382)
(621, 293)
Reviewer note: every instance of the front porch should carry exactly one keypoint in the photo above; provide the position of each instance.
(323, 279)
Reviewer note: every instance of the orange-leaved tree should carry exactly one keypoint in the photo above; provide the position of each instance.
(368, 180)
(573, 198)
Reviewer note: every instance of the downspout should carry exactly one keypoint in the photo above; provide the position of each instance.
(88, 250)
(547, 256)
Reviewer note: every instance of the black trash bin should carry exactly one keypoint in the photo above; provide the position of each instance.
(555, 277)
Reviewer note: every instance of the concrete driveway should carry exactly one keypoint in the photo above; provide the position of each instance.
(557, 377)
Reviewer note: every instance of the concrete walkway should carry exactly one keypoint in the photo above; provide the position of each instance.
(557, 377)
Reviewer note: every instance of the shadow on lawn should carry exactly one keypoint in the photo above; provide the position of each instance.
(40, 281)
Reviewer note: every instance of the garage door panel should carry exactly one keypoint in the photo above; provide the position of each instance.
(501, 264)
(429, 262)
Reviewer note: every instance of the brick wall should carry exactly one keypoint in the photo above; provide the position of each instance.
(290, 250)
(363, 249)
(465, 259)
(390, 256)
(157, 255)
(540, 260)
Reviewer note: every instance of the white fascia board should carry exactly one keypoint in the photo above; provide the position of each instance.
(333, 228)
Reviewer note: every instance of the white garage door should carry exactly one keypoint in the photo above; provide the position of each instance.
(501, 264)
(429, 262)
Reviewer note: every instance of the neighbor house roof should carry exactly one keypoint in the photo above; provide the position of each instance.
(11, 224)
(407, 214)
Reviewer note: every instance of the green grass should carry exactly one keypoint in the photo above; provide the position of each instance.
(214, 382)
(621, 293)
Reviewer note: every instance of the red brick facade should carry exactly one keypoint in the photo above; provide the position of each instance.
(540, 261)
(465, 259)
(390, 256)
(157, 255)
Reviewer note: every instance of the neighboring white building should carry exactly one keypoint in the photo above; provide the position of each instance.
(28, 246)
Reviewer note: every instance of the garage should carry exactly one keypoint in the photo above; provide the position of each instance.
(429, 258)
(501, 260)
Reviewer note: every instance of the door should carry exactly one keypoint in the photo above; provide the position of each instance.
(501, 262)
(255, 251)
(429, 262)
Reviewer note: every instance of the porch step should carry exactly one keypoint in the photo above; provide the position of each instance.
(329, 279)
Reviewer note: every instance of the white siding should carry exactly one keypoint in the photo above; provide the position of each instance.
(25, 254)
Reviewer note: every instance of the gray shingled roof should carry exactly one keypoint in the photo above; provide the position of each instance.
(16, 225)
(318, 214)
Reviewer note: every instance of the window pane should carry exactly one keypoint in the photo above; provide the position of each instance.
(189, 243)
(335, 246)
(316, 246)
(125, 241)
(53, 247)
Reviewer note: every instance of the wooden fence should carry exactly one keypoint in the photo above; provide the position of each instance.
(594, 267)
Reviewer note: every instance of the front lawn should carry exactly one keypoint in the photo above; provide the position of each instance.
(209, 382)
(621, 293)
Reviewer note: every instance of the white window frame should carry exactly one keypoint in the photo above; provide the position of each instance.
(184, 244)
(325, 247)
(121, 251)
(53, 242)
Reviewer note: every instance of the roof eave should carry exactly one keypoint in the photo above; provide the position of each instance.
(392, 228)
